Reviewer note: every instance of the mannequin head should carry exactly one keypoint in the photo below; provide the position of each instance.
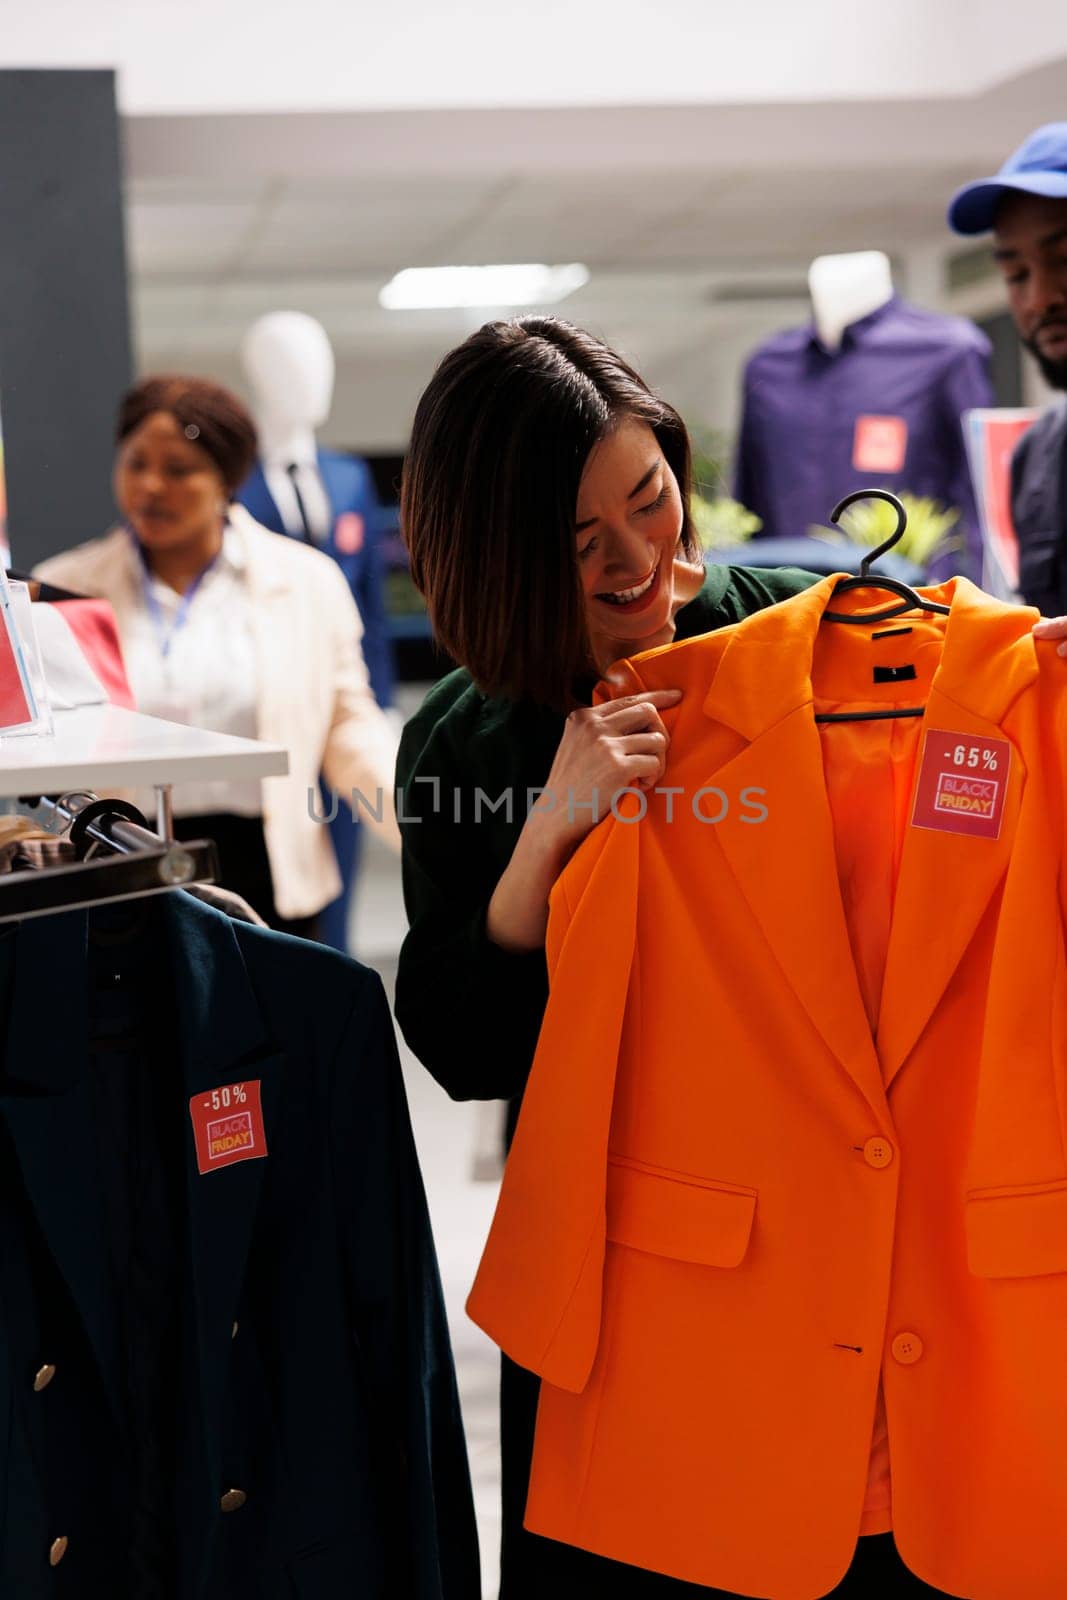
(845, 288)
(289, 365)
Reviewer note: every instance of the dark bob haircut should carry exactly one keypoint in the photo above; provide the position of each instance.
(222, 424)
(489, 492)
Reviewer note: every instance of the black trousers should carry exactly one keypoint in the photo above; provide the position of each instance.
(532, 1568)
(244, 865)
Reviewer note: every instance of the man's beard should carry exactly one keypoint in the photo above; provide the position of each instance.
(1053, 372)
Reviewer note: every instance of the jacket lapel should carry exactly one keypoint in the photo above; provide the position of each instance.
(538, 1289)
(947, 880)
(328, 472)
(123, 584)
(47, 1105)
(222, 1042)
(273, 618)
(786, 866)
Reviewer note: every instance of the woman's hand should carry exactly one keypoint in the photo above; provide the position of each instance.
(605, 748)
(1053, 628)
(619, 745)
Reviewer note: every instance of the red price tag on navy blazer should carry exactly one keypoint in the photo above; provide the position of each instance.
(228, 1125)
(962, 784)
(348, 533)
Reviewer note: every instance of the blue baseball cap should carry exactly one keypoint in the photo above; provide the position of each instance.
(1039, 166)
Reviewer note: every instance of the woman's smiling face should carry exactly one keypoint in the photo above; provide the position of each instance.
(628, 523)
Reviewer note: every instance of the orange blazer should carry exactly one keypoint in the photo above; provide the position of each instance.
(732, 1208)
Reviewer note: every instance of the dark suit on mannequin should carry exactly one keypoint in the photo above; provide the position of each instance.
(355, 543)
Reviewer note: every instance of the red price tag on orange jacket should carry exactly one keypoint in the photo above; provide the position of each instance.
(962, 784)
(228, 1125)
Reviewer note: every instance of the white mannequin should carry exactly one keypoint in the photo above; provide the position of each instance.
(846, 288)
(289, 364)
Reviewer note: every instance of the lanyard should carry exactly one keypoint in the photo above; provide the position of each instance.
(164, 635)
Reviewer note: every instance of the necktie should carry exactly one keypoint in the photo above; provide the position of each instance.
(292, 469)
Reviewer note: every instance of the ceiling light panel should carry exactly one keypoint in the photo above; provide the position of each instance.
(514, 284)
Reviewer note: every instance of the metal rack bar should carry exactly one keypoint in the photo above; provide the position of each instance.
(137, 861)
(48, 890)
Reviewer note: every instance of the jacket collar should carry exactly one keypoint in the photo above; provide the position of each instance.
(266, 565)
(988, 658)
(219, 1018)
(787, 868)
(856, 332)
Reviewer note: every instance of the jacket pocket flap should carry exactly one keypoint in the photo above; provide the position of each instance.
(1017, 1233)
(673, 1214)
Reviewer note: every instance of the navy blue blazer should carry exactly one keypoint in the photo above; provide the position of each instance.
(354, 544)
(314, 1369)
(1039, 512)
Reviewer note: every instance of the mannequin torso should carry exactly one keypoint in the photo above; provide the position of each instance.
(324, 496)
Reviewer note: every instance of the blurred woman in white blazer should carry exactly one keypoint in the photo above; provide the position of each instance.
(226, 626)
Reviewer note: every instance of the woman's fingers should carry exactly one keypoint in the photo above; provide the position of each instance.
(1053, 629)
(655, 697)
(626, 716)
(612, 747)
(643, 764)
(638, 720)
(649, 742)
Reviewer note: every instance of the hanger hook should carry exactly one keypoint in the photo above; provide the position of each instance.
(873, 494)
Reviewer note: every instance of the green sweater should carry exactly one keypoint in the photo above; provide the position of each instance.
(471, 1011)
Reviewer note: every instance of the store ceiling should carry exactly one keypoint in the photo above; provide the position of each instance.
(225, 232)
(678, 213)
(197, 56)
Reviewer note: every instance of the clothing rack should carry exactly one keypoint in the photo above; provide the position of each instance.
(120, 858)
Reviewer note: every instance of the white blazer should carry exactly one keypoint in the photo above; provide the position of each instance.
(314, 696)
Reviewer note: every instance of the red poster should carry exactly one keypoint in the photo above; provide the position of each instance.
(991, 437)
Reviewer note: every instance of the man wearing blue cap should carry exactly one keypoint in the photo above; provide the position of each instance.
(1025, 207)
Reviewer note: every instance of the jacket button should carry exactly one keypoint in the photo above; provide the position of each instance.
(57, 1551)
(44, 1377)
(878, 1152)
(907, 1348)
(233, 1500)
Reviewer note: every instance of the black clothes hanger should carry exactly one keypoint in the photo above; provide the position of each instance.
(128, 860)
(910, 600)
